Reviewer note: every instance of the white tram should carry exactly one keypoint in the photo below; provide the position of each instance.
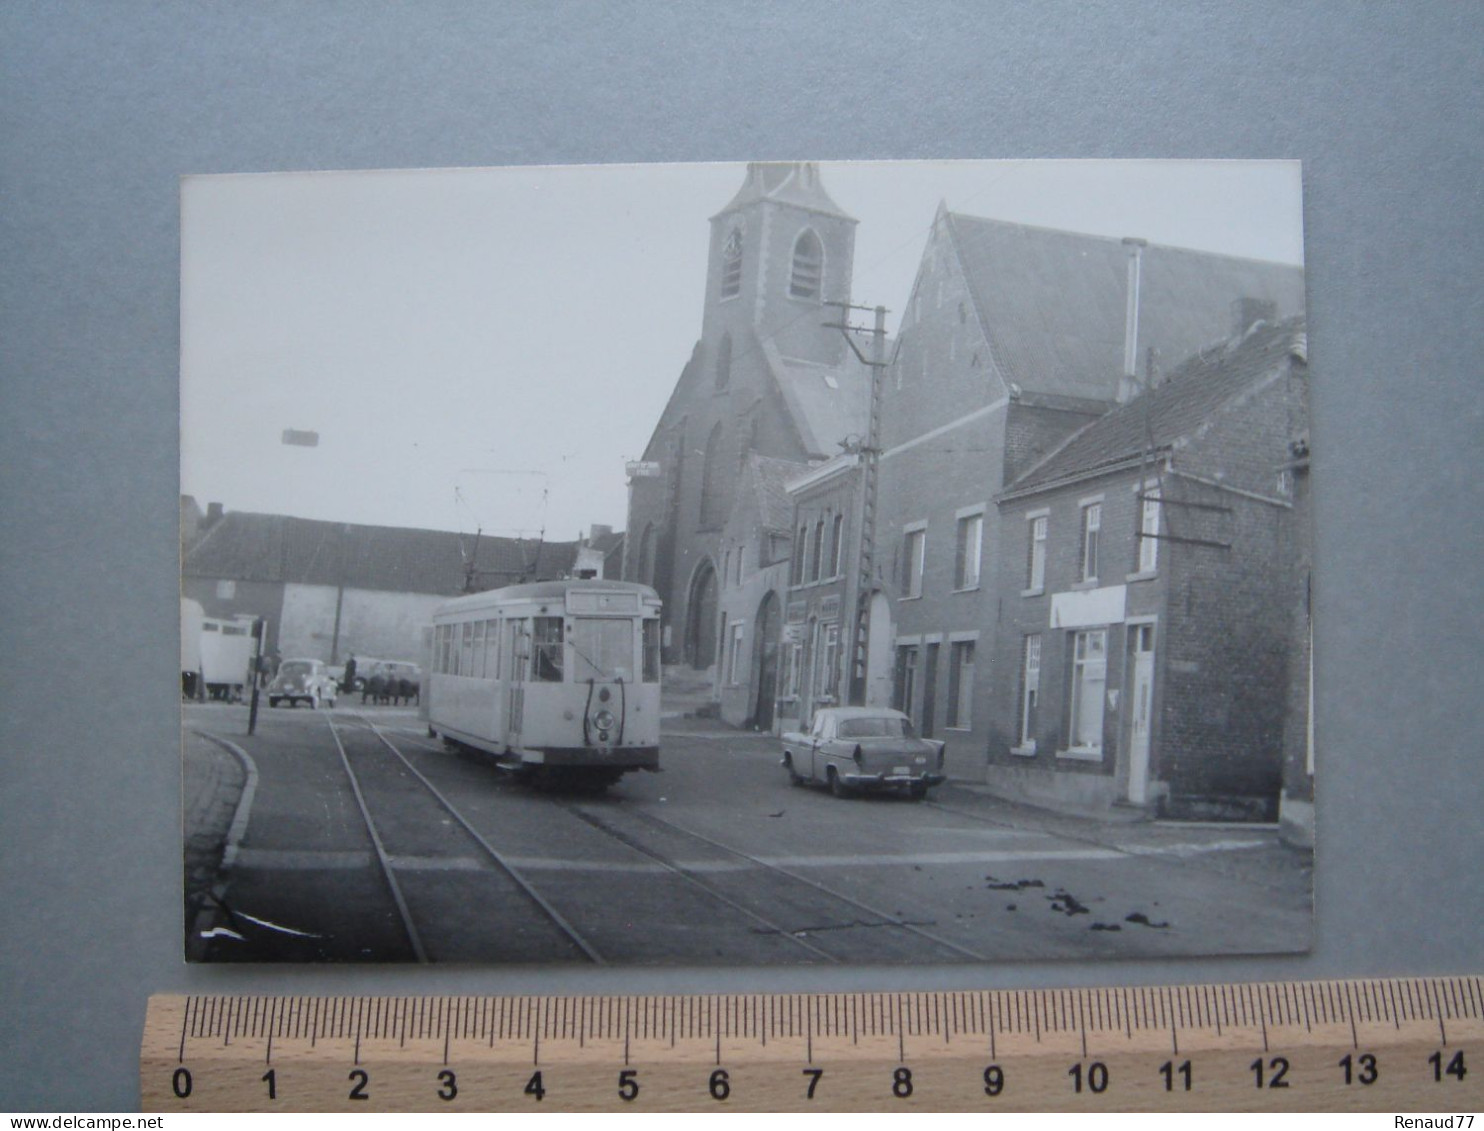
(559, 680)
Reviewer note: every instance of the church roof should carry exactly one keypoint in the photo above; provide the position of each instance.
(1192, 395)
(767, 477)
(826, 402)
(784, 182)
(1054, 303)
(282, 549)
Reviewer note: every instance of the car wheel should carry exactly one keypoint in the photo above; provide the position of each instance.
(793, 775)
(273, 700)
(838, 787)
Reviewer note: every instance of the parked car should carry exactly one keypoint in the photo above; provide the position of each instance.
(309, 680)
(863, 748)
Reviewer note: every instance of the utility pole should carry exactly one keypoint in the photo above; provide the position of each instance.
(870, 455)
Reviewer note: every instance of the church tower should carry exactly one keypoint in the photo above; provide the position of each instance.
(767, 376)
(779, 251)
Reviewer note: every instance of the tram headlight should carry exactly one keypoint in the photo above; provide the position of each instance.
(605, 720)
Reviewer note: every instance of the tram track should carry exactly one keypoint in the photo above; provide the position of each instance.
(388, 869)
(669, 866)
(824, 889)
(798, 937)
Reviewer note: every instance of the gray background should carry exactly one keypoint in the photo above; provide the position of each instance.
(105, 105)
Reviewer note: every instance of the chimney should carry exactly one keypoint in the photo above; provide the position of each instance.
(598, 531)
(1247, 312)
(1128, 383)
(213, 514)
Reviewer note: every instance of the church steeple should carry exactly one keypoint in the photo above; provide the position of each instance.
(780, 247)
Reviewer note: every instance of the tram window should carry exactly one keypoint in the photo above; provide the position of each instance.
(491, 668)
(466, 650)
(478, 669)
(443, 638)
(652, 651)
(602, 648)
(546, 653)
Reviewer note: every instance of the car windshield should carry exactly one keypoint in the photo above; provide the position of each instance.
(875, 726)
(294, 668)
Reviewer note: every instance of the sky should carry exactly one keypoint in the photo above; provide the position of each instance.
(484, 349)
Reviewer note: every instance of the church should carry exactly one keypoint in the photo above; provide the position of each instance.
(768, 378)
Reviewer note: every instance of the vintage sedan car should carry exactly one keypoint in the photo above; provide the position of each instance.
(309, 680)
(863, 748)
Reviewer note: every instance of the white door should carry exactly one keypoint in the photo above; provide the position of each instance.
(1143, 701)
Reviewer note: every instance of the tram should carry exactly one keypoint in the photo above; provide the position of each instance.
(558, 680)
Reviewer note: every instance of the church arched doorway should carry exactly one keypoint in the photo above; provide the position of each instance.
(701, 611)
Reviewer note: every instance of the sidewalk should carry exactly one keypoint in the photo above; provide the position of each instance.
(212, 780)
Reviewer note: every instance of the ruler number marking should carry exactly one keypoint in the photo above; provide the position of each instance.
(628, 1084)
(1169, 1070)
(1363, 1069)
(1097, 1077)
(362, 1080)
(1278, 1066)
(1455, 1067)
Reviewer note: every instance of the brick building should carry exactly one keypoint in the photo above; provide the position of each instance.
(1149, 573)
(766, 376)
(1014, 339)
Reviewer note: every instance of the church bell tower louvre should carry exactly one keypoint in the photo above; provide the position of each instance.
(780, 250)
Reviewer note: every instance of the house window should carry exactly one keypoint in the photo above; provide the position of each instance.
(1089, 678)
(795, 669)
(914, 555)
(226, 589)
(1035, 578)
(966, 558)
(800, 546)
(1030, 689)
(808, 268)
(731, 265)
(1092, 523)
(961, 684)
(837, 545)
(724, 363)
(734, 655)
(818, 550)
(1148, 532)
(726, 567)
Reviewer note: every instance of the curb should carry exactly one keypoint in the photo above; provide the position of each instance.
(238, 828)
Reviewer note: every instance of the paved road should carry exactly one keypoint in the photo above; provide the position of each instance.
(716, 860)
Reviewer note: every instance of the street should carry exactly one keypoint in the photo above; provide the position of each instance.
(715, 860)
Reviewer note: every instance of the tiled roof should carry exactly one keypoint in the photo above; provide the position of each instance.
(1191, 395)
(768, 477)
(280, 548)
(1054, 303)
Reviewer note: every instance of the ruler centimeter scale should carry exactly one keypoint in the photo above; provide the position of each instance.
(1405, 1045)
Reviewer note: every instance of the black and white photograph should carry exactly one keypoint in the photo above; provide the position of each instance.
(756, 564)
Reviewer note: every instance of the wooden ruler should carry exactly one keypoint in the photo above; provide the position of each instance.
(1405, 1045)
